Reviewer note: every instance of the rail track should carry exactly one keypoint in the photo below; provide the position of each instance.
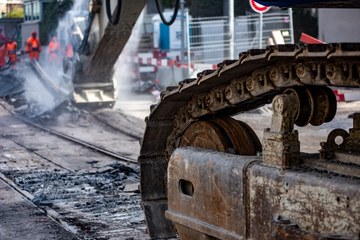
(67, 137)
(92, 191)
(81, 142)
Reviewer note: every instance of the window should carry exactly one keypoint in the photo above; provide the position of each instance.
(36, 6)
(27, 13)
(32, 11)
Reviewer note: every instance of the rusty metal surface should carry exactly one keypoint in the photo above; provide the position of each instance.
(251, 81)
(335, 167)
(340, 153)
(316, 202)
(281, 143)
(314, 105)
(341, 144)
(213, 205)
(286, 229)
(224, 196)
(353, 141)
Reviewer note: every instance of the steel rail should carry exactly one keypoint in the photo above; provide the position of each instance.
(80, 142)
(28, 197)
(73, 139)
(34, 152)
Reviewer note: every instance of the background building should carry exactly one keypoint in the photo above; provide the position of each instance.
(6, 6)
(10, 25)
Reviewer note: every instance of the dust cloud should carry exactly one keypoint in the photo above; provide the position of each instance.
(125, 71)
(38, 99)
(44, 95)
(71, 30)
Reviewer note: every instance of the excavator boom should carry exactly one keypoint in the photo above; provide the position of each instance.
(104, 40)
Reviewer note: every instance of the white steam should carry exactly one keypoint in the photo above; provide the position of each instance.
(73, 23)
(40, 99)
(125, 71)
(72, 26)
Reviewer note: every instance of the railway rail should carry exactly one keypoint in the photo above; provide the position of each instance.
(42, 224)
(81, 142)
(71, 138)
(91, 191)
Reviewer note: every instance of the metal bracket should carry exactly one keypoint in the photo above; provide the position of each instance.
(281, 146)
(353, 141)
(340, 143)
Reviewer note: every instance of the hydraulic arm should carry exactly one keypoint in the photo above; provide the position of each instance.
(109, 27)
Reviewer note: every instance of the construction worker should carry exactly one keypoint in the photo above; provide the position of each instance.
(69, 51)
(54, 50)
(11, 48)
(33, 47)
(68, 58)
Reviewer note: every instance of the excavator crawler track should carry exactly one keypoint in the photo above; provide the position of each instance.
(236, 86)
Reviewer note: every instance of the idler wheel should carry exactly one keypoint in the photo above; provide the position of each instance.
(222, 134)
(324, 105)
(305, 105)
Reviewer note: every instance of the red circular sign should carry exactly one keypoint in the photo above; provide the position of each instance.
(257, 7)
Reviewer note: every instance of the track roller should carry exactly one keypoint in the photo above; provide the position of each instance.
(315, 104)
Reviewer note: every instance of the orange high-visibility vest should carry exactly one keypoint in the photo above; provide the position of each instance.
(11, 51)
(33, 48)
(53, 50)
(69, 53)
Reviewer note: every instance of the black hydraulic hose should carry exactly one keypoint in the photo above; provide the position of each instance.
(113, 17)
(81, 48)
(172, 20)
